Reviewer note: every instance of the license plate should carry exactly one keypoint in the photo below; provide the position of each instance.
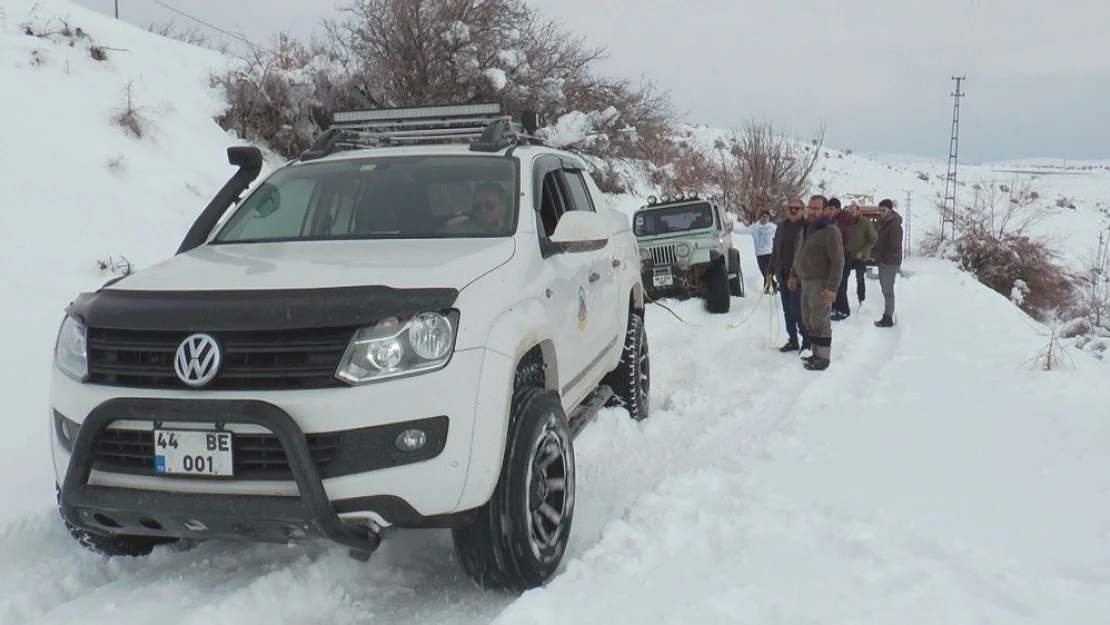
(193, 452)
(663, 280)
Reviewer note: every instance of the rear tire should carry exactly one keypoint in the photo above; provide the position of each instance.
(631, 380)
(518, 538)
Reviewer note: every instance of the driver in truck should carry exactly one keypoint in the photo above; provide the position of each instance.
(489, 208)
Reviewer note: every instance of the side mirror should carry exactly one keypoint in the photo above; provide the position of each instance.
(581, 227)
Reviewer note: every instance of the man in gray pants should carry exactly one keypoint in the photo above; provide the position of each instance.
(819, 266)
(888, 255)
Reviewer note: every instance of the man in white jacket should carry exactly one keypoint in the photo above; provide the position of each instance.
(763, 234)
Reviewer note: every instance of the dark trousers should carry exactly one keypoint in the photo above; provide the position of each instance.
(851, 264)
(764, 262)
(840, 304)
(792, 311)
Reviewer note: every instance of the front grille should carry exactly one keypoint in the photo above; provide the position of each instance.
(257, 456)
(252, 360)
(663, 255)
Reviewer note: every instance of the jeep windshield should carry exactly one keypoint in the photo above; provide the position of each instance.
(398, 197)
(672, 219)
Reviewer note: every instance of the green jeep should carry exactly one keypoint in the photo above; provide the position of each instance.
(686, 251)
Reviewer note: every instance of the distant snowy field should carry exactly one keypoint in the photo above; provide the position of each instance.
(932, 475)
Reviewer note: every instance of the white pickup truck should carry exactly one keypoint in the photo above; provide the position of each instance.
(407, 326)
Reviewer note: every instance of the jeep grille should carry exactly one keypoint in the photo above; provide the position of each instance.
(663, 255)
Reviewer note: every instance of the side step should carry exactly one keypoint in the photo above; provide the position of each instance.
(585, 412)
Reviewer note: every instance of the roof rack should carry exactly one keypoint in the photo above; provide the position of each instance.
(485, 126)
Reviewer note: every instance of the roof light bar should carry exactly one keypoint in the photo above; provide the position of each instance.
(419, 112)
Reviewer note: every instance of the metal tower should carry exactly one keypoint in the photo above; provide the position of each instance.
(948, 211)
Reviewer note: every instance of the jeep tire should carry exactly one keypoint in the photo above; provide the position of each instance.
(517, 539)
(735, 283)
(717, 299)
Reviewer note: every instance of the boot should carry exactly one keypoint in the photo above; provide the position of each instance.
(790, 346)
(885, 322)
(816, 363)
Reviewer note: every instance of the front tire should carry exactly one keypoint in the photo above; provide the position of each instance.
(717, 300)
(518, 538)
(736, 283)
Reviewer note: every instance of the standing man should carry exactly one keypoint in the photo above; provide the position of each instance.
(888, 254)
(763, 235)
(841, 309)
(787, 236)
(860, 244)
(819, 265)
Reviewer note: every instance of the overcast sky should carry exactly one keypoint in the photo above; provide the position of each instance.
(877, 74)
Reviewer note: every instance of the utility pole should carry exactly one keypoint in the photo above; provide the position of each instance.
(117, 9)
(948, 211)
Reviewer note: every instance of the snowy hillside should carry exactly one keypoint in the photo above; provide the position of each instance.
(932, 475)
(79, 189)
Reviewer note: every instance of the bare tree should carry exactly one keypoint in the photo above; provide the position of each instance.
(767, 168)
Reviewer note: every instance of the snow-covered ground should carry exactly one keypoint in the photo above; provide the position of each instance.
(932, 475)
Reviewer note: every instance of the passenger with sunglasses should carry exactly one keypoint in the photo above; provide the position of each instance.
(782, 258)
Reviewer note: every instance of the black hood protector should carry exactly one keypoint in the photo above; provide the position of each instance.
(244, 310)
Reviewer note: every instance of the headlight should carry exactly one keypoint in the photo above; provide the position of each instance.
(645, 253)
(71, 352)
(399, 347)
(683, 250)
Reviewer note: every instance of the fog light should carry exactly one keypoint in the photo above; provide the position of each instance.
(411, 440)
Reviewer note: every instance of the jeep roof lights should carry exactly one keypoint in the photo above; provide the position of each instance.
(668, 199)
(485, 126)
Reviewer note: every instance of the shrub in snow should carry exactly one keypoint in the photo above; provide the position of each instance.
(58, 29)
(132, 117)
(993, 244)
(388, 53)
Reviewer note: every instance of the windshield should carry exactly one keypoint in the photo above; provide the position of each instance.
(673, 219)
(401, 197)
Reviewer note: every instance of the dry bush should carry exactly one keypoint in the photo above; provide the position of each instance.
(993, 242)
(766, 168)
(132, 117)
(280, 95)
(1091, 302)
(391, 53)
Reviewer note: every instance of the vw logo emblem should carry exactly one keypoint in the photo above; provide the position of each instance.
(197, 360)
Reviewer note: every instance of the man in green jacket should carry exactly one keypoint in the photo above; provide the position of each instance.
(818, 267)
(860, 242)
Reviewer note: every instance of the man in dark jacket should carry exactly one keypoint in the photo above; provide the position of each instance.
(782, 259)
(888, 255)
(818, 266)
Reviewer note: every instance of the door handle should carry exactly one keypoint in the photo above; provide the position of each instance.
(616, 263)
(594, 277)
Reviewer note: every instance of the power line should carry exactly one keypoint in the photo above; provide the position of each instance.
(199, 21)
